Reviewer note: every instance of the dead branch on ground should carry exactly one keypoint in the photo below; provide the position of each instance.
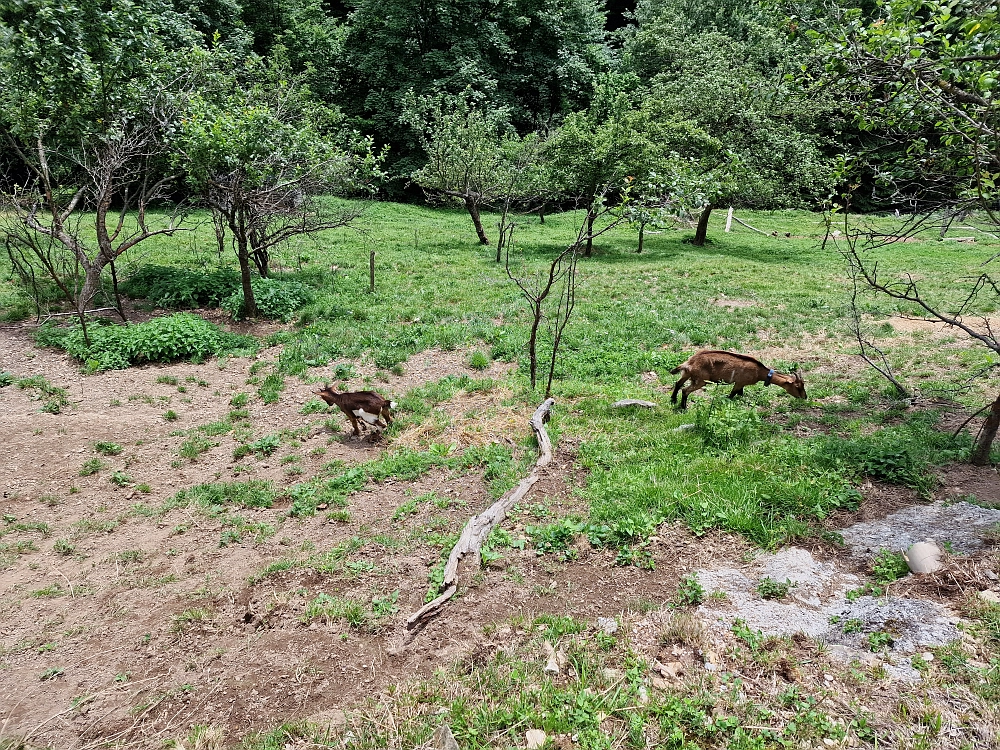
(478, 528)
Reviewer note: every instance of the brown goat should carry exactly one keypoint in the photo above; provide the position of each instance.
(367, 405)
(711, 366)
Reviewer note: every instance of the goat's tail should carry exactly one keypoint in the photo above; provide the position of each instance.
(679, 368)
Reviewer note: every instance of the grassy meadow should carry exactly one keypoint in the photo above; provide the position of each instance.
(767, 467)
(785, 297)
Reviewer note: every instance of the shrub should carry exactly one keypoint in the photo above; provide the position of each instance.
(173, 287)
(179, 336)
(115, 347)
(889, 566)
(276, 300)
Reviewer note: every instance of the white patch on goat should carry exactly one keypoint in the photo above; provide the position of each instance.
(369, 418)
(392, 404)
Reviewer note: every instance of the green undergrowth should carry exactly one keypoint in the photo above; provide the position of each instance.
(723, 466)
(500, 467)
(166, 339)
(54, 398)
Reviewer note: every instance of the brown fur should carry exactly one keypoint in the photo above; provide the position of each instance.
(713, 366)
(369, 401)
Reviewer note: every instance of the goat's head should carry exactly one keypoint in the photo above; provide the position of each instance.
(794, 385)
(328, 395)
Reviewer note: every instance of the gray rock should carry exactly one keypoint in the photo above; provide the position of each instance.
(609, 625)
(960, 524)
(443, 738)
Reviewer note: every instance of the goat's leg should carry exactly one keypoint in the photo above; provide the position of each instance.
(677, 387)
(386, 415)
(737, 391)
(695, 386)
(354, 424)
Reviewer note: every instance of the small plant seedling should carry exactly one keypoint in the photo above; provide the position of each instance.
(879, 640)
(63, 547)
(91, 466)
(768, 588)
(889, 566)
(170, 415)
(51, 674)
(408, 508)
(121, 479)
(167, 380)
(690, 593)
(340, 516)
(853, 625)
(479, 361)
(869, 589)
(108, 449)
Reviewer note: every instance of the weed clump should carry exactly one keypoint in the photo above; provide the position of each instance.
(166, 339)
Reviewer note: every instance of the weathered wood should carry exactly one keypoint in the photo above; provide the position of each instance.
(729, 219)
(755, 229)
(478, 528)
(633, 402)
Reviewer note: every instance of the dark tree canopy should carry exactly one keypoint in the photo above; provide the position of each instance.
(537, 58)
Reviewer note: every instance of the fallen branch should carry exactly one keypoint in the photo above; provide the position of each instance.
(478, 528)
(744, 224)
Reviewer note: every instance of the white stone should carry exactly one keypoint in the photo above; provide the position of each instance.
(534, 739)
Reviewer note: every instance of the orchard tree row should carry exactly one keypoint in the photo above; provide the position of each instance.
(256, 108)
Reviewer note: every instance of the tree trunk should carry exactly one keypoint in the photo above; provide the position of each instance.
(533, 345)
(591, 216)
(541, 214)
(473, 209)
(702, 230)
(249, 309)
(642, 234)
(981, 450)
(91, 285)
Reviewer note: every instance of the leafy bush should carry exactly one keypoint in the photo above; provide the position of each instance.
(725, 424)
(690, 592)
(900, 455)
(165, 339)
(173, 287)
(276, 300)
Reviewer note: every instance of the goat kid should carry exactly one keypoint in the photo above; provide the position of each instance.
(367, 405)
(711, 366)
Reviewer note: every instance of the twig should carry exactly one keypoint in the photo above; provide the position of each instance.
(962, 426)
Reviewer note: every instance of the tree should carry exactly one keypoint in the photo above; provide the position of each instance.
(535, 58)
(466, 151)
(260, 159)
(615, 138)
(559, 279)
(725, 69)
(87, 96)
(924, 76)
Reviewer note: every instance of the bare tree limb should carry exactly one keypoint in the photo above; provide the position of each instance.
(478, 528)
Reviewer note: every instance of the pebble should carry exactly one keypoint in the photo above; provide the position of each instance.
(989, 596)
(927, 656)
(609, 625)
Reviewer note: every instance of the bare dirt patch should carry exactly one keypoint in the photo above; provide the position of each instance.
(121, 626)
(733, 303)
